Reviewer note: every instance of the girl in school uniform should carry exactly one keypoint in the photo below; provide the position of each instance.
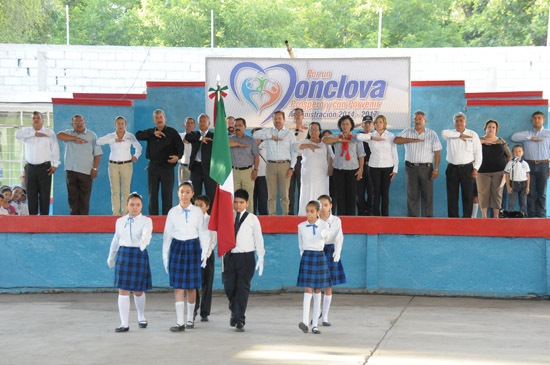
(314, 273)
(132, 273)
(332, 249)
(184, 252)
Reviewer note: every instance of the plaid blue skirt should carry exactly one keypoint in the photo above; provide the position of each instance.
(313, 270)
(185, 264)
(132, 270)
(336, 270)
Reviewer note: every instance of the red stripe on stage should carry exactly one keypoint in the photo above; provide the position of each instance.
(533, 227)
(505, 94)
(507, 102)
(109, 96)
(438, 83)
(175, 84)
(94, 102)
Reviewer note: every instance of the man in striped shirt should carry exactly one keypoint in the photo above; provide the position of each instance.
(422, 155)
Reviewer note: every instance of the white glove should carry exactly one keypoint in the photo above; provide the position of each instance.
(143, 246)
(209, 252)
(260, 266)
(336, 256)
(111, 262)
(165, 265)
(203, 259)
(301, 252)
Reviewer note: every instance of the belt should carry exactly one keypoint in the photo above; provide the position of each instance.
(120, 162)
(242, 168)
(40, 164)
(279, 161)
(537, 161)
(413, 164)
(464, 164)
(184, 164)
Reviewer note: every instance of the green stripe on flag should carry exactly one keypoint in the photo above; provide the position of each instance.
(220, 164)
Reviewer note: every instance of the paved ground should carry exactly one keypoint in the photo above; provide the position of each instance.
(367, 329)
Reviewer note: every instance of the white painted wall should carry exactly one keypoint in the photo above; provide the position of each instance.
(31, 72)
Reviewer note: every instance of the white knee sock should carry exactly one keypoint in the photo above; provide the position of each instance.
(179, 312)
(124, 309)
(140, 306)
(316, 309)
(474, 210)
(307, 303)
(190, 311)
(326, 306)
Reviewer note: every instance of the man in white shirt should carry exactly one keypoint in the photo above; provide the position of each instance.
(42, 156)
(464, 159)
(281, 159)
(184, 172)
(239, 263)
(422, 155)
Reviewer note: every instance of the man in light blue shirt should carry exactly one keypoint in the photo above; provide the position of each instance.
(281, 159)
(82, 156)
(536, 144)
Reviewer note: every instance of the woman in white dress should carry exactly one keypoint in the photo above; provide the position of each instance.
(316, 160)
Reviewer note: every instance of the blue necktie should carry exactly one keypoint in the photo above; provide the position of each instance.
(313, 226)
(186, 214)
(130, 220)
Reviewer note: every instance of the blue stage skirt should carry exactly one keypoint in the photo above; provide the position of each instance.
(185, 264)
(313, 270)
(336, 270)
(132, 270)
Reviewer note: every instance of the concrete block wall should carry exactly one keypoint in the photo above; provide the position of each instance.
(38, 72)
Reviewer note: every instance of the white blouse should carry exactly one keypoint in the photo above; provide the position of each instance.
(312, 238)
(132, 232)
(335, 236)
(121, 151)
(383, 153)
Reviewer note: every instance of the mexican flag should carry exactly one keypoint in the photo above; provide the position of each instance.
(221, 219)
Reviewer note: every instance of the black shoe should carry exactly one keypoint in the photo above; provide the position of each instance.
(303, 327)
(122, 329)
(190, 324)
(204, 319)
(142, 324)
(240, 327)
(316, 331)
(326, 324)
(232, 322)
(177, 328)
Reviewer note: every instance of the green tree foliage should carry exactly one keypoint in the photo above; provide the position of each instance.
(268, 23)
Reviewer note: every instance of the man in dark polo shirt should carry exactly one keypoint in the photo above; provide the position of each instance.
(164, 150)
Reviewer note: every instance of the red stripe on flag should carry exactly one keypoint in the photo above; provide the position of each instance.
(221, 221)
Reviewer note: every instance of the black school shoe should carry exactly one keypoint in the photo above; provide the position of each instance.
(122, 329)
(303, 327)
(142, 324)
(177, 328)
(240, 327)
(204, 319)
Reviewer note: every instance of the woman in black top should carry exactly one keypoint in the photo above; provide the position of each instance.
(490, 177)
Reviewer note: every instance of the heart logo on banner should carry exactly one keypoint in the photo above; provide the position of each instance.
(261, 91)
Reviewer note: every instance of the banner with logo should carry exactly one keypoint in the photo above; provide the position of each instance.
(326, 89)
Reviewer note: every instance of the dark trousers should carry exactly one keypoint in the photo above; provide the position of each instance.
(164, 178)
(200, 177)
(381, 180)
(460, 177)
(260, 196)
(518, 193)
(204, 301)
(332, 192)
(536, 200)
(346, 191)
(420, 189)
(364, 206)
(238, 271)
(39, 185)
(295, 184)
(79, 190)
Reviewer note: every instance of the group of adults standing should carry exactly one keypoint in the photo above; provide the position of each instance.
(303, 161)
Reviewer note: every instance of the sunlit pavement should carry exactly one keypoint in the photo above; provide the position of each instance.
(78, 328)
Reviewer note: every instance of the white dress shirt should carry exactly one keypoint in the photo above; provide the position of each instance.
(278, 150)
(421, 152)
(249, 238)
(309, 241)
(461, 152)
(39, 150)
(132, 232)
(213, 237)
(335, 236)
(121, 151)
(182, 229)
(187, 146)
(20, 208)
(517, 169)
(382, 153)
